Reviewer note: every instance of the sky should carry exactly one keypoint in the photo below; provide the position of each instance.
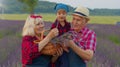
(112, 4)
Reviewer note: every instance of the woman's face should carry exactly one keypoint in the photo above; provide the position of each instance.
(61, 15)
(39, 27)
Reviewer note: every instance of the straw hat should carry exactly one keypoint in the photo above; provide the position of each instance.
(82, 11)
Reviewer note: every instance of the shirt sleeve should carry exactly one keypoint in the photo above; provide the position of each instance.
(69, 27)
(29, 50)
(53, 26)
(91, 41)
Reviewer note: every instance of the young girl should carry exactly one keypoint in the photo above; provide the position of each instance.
(63, 26)
(31, 51)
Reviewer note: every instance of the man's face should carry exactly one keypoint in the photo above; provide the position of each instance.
(78, 22)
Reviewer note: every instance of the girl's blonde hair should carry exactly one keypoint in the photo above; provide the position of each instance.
(31, 21)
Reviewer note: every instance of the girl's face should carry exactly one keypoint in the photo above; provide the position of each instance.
(39, 27)
(61, 15)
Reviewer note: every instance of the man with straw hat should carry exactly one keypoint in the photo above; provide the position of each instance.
(83, 41)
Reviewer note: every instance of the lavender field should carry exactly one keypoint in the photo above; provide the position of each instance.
(107, 53)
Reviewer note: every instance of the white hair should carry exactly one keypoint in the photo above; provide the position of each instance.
(28, 29)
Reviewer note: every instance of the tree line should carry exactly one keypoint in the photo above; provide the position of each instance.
(36, 6)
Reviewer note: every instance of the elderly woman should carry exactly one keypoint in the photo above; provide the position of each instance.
(31, 51)
(83, 41)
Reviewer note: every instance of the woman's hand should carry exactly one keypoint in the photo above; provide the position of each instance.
(58, 53)
(54, 32)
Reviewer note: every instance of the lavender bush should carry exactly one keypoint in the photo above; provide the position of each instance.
(107, 52)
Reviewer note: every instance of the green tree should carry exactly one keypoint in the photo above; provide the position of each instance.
(29, 5)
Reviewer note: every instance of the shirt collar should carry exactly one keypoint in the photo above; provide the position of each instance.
(59, 25)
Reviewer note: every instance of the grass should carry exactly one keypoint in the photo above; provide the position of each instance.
(115, 39)
(19, 35)
(3, 54)
(1, 35)
(14, 16)
(105, 19)
(7, 33)
(52, 17)
(4, 33)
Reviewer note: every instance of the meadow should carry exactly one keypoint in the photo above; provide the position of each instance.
(51, 18)
(108, 39)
